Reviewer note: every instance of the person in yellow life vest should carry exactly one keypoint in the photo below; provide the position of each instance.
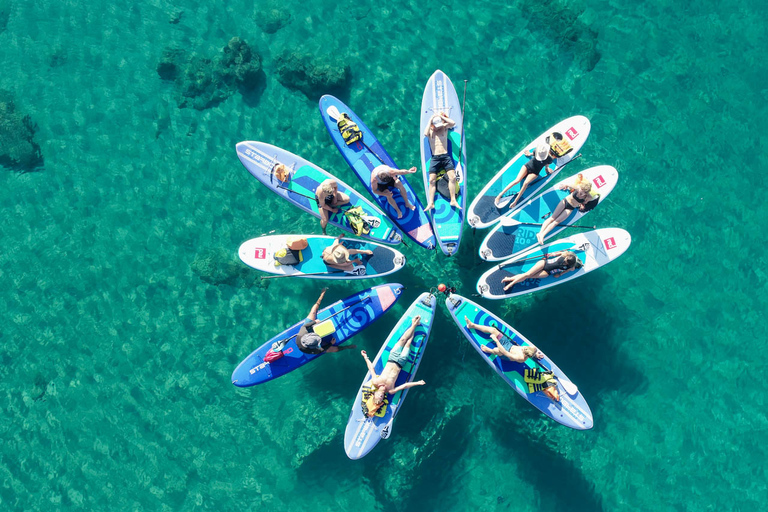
(504, 346)
(437, 133)
(311, 342)
(385, 178)
(385, 383)
(337, 256)
(328, 200)
(580, 195)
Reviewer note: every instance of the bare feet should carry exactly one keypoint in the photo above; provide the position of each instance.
(539, 238)
(469, 324)
(430, 206)
(416, 320)
(399, 213)
(411, 207)
(486, 349)
(455, 204)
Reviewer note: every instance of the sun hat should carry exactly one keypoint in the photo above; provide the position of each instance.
(542, 150)
(340, 254)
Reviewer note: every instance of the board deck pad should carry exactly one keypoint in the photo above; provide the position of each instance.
(505, 241)
(364, 308)
(365, 155)
(483, 211)
(447, 221)
(259, 253)
(571, 411)
(259, 159)
(362, 433)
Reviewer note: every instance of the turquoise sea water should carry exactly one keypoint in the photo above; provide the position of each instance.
(125, 309)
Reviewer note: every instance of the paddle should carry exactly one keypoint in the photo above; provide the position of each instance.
(281, 343)
(298, 193)
(330, 272)
(508, 222)
(463, 102)
(543, 255)
(505, 200)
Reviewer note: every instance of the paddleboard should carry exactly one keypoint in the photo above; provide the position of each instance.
(299, 189)
(363, 433)
(364, 308)
(516, 233)
(259, 253)
(572, 410)
(447, 221)
(365, 155)
(593, 248)
(484, 211)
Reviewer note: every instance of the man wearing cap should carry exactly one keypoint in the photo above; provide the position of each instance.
(310, 342)
(530, 171)
(337, 256)
(437, 133)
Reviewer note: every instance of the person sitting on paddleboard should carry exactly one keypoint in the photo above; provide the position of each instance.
(552, 265)
(581, 194)
(328, 200)
(311, 343)
(384, 178)
(504, 346)
(385, 382)
(529, 172)
(437, 133)
(337, 256)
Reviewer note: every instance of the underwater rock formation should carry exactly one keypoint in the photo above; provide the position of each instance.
(559, 19)
(18, 149)
(271, 16)
(5, 13)
(312, 75)
(203, 82)
(217, 266)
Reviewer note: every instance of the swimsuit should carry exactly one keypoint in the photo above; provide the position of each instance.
(396, 356)
(556, 267)
(534, 166)
(440, 162)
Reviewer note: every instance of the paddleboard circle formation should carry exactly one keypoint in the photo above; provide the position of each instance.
(526, 205)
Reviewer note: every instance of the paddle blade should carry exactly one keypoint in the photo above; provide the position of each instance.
(333, 113)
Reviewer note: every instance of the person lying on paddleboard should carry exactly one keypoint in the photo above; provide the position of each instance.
(384, 178)
(504, 346)
(581, 194)
(529, 172)
(310, 342)
(337, 256)
(383, 384)
(329, 199)
(555, 264)
(437, 133)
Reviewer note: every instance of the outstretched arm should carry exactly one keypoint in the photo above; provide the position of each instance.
(313, 311)
(405, 386)
(369, 364)
(400, 172)
(448, 121)
(357, 251)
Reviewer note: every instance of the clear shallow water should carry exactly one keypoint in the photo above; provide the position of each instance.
(125, 308)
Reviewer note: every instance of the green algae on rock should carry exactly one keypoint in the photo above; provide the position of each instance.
(18, 149)
(311, 74)
(204, 82)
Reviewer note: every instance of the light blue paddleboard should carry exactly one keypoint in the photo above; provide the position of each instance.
(447, 221)
(300, 187)
(363, 433)
(516, 233)
(593, 248)
(365, 155)
(572, 409)
(259, 253)
(484, 211)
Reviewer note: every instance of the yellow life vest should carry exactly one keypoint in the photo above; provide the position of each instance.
(558, 145)
(370, 409)
(350, 132)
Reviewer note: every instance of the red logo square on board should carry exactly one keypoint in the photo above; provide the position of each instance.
(260, 253)
(599, 181)
(610, 243)
(572, 133)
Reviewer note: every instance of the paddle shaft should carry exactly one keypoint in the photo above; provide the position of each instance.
(541, 224)
(463, 102)
(299, 193)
